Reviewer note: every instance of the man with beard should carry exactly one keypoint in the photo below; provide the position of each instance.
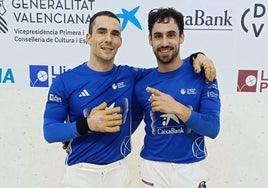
(179, 107)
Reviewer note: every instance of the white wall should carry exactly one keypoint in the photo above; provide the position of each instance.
(237, 157)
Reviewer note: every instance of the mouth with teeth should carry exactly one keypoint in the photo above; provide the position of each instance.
(165, 51)
(107, 48)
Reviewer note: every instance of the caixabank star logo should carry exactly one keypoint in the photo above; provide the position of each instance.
(3, 23)
(129, 16)
(251, 81)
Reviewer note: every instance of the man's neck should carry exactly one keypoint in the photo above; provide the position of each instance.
(100, 66)
(174, 65)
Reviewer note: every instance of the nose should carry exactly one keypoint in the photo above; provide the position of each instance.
(164, 41)
(108, 37)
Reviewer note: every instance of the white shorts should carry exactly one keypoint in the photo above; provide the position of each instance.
(85, 175)
(171, 175)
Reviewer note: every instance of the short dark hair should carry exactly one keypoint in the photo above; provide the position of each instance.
(162, 15)
(101, 13)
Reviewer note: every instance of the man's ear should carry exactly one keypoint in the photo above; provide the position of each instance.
(181, 38)
(121, 41)
(150, 40)
(88, 37)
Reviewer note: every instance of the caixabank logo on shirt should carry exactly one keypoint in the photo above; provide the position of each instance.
(43, 75)
(252, 81)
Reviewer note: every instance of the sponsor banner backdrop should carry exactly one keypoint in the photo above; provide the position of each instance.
(51, 34)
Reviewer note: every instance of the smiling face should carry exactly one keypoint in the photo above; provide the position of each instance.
(104, 42)
(165, 40)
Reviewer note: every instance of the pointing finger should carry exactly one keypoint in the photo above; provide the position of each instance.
(153, 91)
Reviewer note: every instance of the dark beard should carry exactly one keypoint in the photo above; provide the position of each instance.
(166, 61)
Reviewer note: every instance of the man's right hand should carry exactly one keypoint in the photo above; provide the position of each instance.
(203, 62)
(102, 119)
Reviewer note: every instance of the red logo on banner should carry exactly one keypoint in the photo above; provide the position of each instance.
(247, 81)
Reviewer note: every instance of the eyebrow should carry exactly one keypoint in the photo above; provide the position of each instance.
(171, 31)
(103, 28)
